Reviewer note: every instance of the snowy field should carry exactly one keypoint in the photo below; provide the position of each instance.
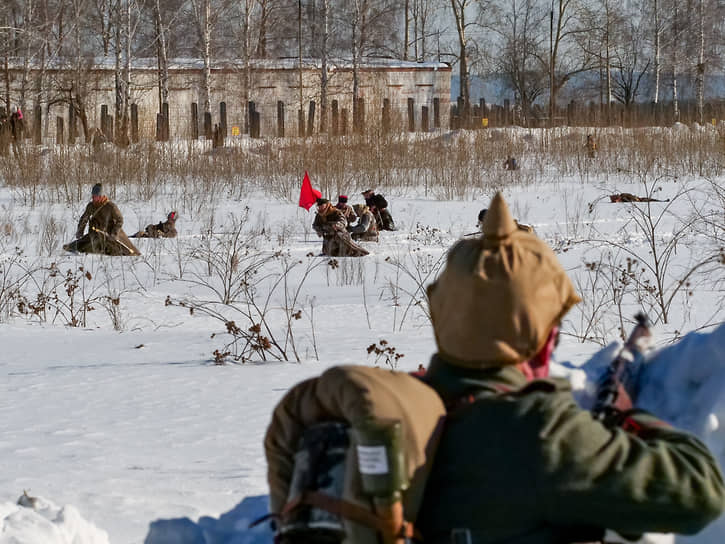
(126, 419)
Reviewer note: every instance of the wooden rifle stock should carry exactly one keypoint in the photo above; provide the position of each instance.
(624, 369)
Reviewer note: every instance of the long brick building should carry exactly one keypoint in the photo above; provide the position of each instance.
(414, 94)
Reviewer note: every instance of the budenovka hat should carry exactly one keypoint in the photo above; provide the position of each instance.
(498, 296)
(171, 216)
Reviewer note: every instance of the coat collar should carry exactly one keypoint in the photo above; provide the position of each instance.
(453, 382)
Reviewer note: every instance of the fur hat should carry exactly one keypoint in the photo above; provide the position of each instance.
(367, 192)
(321, 201)
(342, 198)
(499, 295)
(97, 190)
(359, 209)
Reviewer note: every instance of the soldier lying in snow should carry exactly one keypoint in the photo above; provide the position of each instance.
(105, 234)
(163, 229)
(629, 197)
(482, 215)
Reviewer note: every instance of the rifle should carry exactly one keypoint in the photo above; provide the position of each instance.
(112, 239)
(624, 369)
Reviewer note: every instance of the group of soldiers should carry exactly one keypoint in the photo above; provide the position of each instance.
(342, 225)
(105, 233)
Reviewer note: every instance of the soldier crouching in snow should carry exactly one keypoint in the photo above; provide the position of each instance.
(163, 229)
(366, 228)
(346, 209)
(379, 208)
(105, 234)
(519, 460)
(331, 225)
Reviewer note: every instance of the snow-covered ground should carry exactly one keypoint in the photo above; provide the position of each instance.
(127, 421)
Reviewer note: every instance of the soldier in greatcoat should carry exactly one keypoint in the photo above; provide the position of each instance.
(520, 461)
(162, 229)
(331, 225)
(366, 228)
(346, 209)
(379, 208)
(105, 234)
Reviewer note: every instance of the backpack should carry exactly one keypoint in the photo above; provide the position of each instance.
(348, 456)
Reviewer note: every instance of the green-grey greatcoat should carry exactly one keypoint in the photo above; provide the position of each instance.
(523, 464)
(105, 234)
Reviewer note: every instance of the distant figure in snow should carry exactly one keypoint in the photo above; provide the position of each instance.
(163, 229)
(629, 197)
(591, 146)
(510, 164)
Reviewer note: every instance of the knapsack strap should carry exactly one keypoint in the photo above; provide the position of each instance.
(351, 511)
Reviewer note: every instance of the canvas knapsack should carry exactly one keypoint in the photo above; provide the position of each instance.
(333, 435)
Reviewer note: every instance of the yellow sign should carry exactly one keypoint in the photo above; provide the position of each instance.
(484, 122)
(235, 131)
(714, 121)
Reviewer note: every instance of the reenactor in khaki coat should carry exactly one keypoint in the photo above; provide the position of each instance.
(105, 234)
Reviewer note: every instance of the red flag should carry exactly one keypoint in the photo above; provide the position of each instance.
(308, 195)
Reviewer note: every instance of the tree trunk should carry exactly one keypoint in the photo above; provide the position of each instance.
(118, 77)
(675, 60)
(406, 32)
(700, 84)
(246, 55)
(658, 48)
(162, 50)
(125, 115)
(206, 40)
(459, 14)
(323, 67)
(355, 56)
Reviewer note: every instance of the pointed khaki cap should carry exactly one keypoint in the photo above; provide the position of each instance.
(498, 297)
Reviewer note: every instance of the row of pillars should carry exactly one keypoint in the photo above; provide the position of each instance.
(219, 132)
(305, 126)
(62, 136)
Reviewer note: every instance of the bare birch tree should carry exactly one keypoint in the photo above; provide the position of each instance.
(202, 18)
(522, 56)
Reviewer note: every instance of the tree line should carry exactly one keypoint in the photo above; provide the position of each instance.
(628, 50)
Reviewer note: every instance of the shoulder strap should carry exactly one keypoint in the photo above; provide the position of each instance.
(351, 511)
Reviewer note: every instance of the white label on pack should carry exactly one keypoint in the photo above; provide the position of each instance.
(372, 459)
